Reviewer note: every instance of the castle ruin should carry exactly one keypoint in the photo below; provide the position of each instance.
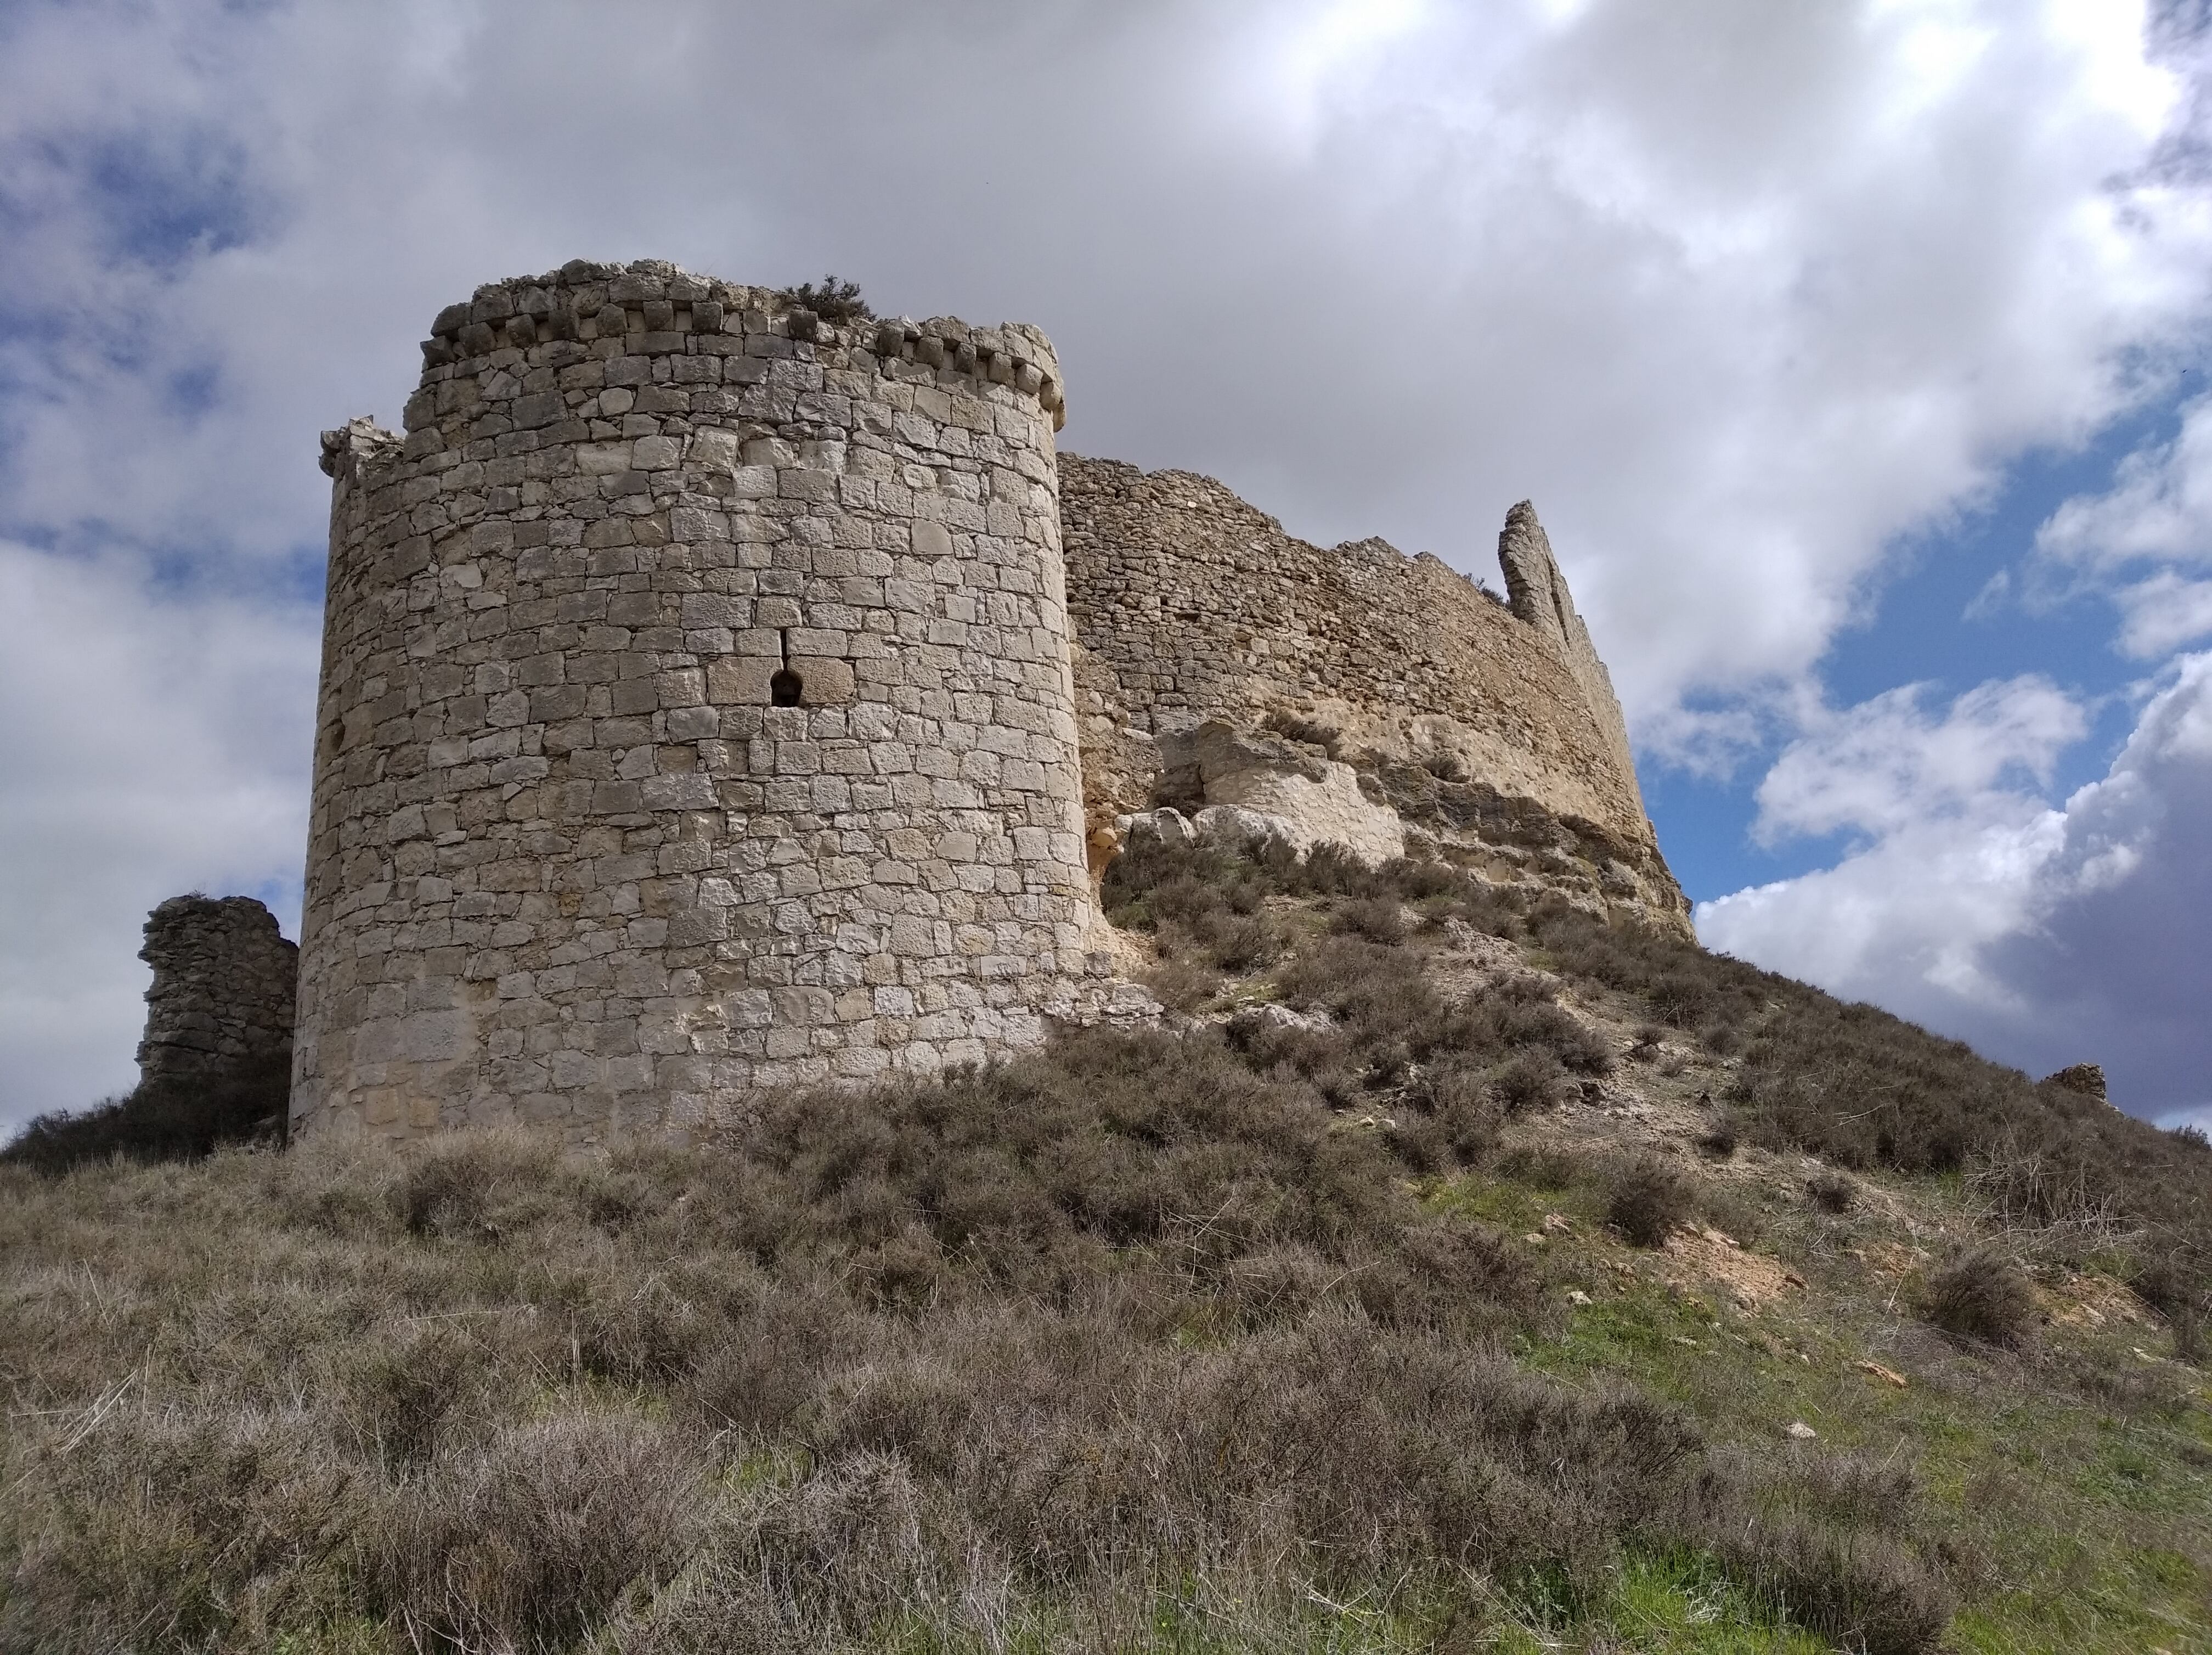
(714, 696)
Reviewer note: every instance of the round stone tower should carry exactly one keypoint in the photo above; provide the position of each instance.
(695, 713)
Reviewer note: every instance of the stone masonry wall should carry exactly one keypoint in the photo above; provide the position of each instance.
(1487, 727)
(222, 1000)
(573, 861)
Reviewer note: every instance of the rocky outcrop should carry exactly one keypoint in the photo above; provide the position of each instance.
(221, 1005)
(1308, 797)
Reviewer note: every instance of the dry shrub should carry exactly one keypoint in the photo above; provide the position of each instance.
(399, 1389)
(1520, 1013)
(1378, 919)
(637, 1332)
(1452, 1116)
(1182, 985)
(176, 1531)
(1545, 1166)
(1984, 1296)
(1832, 1192)
(164, 1121)
(1721, 1139)
(476, 1185)
(1363, 1449)
(1831, 1538)
(2180, 1286)
(1648, 1199)
(1870, 1593)
(529, 1540)
(832, 300)
(767, 1370)
(1529, 1081)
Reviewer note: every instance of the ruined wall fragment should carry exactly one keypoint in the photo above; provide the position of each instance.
(1484, 729)
(222, 1001)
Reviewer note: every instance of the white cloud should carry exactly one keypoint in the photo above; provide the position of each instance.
(2044, 936)
(2159, 507)
(154, 743)
(1737, 292)
(2161, 612)
(2158, 513)
(1888, 764)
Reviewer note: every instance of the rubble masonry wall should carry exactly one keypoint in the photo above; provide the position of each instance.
(222, 1000)
(1488, 725)
(1188, 604)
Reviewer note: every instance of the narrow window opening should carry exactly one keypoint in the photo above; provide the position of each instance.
(784, 685)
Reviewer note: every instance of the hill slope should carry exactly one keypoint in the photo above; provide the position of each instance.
(1456, 1276)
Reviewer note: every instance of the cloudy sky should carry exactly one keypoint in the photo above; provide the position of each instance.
(1854, 353)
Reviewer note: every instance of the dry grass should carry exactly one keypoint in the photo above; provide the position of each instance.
(1024, 1348)
(1007, 1359)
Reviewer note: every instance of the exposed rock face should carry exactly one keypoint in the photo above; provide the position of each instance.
(1384, 701)
(2088, 1079)
(1312, 798)
(224, 978)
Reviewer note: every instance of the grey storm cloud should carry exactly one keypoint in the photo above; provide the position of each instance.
(2048, 935)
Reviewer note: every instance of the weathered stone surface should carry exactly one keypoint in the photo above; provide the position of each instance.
(695, 713)
(222, 1000)
(706, 704)
(1484, 731)
(1315, 799)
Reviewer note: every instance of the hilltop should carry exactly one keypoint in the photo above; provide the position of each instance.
(1453, 1271)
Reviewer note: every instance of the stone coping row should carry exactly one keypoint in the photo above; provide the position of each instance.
(652, 305)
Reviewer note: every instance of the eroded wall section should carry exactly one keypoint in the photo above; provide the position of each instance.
(221, 1005)
(695, 712)
(1488, 731)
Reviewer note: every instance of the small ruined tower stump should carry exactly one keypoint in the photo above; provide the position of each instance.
(221, 1005)
(695, 713)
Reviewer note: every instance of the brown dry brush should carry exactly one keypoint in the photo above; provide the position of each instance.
(1018, 1348)
(1007, 1353)
(1863, 1089)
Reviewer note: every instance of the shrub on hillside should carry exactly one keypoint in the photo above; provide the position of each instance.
(941, 1361)
(532, 1539)
(1528, 1081)
(165, 1121)
(1831, 1191)
(1647, 1200)
(1984, 1296)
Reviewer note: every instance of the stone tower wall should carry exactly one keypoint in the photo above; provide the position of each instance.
(570, 862)
(222, 1000)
